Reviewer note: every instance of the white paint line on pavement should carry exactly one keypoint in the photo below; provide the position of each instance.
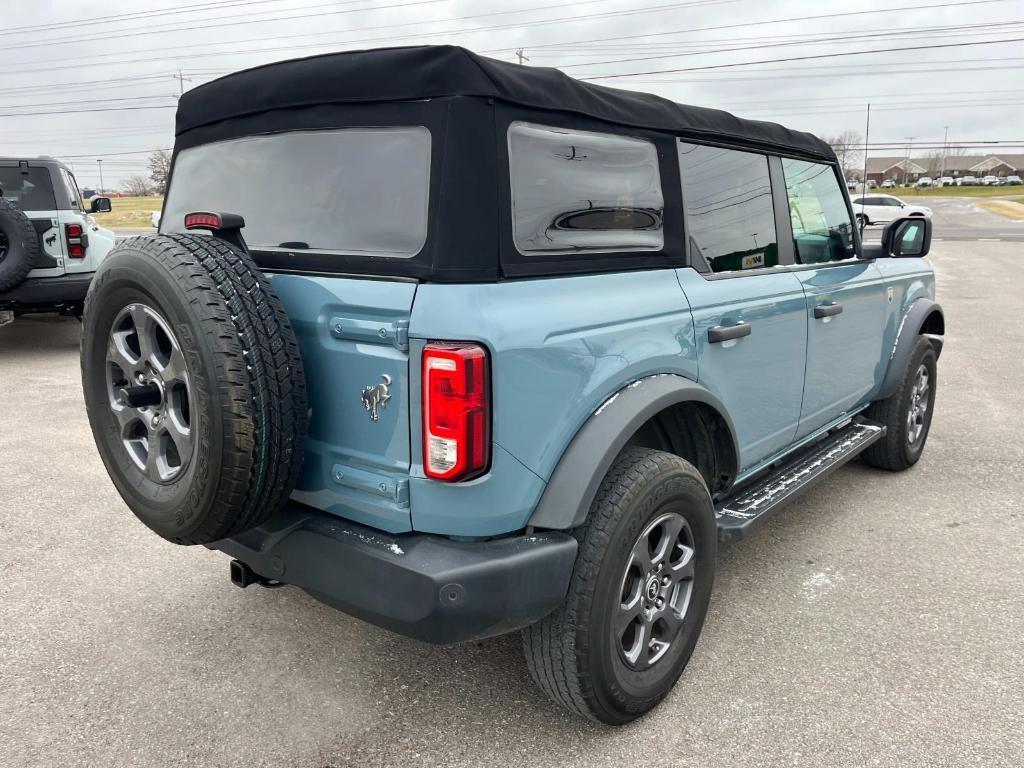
(988, 240)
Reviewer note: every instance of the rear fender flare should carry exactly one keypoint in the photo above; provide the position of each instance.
(566, 500)
(910, 328)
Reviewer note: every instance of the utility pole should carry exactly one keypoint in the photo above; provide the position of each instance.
(100, 164)
(181, 82)
(864, 181)
(521, 56)
(906, 161)
(945, 149)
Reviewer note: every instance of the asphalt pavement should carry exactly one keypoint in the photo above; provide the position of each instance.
(878, 621)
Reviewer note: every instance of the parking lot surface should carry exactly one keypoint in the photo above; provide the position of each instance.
(878, 621)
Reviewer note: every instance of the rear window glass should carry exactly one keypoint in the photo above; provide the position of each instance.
(582, 191)
(28, 188)
(730, 218)
(351, 191)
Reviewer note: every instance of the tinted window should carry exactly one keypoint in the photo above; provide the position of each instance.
(822, 229)
(28, 188)
(582, 191)
(357, 190)
(74, 196)
(730, 219)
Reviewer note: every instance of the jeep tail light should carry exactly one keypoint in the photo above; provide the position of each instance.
(76, 245)
(456, 411)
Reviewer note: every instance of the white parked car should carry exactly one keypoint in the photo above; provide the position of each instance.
(154, 219)
(1014, 180)
(879, 209)
(990, 181)
(966, 181)
(924, 181)
(946, 181)
(888, 184)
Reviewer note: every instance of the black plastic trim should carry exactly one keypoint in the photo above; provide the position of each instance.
(46, 291)
(419, 585)
(566, 500)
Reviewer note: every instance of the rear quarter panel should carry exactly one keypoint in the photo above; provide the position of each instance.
(559, 347)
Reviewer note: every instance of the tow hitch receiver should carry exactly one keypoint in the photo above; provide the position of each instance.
(242, 576)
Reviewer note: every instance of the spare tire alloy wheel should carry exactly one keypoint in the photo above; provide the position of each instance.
(148, 385)
(193, 385)
(19, 246)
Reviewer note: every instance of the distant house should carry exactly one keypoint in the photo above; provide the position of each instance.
(898, 168)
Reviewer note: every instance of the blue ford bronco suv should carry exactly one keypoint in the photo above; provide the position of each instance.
(462, 347)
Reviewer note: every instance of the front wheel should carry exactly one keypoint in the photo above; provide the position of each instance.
(906, 414)
(862, 220)
(639, 592)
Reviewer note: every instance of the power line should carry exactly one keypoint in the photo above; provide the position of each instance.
(874, 11)
(388, 38)
(802, 58)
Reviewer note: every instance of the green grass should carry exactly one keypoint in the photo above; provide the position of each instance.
(950, 191)
(129, 212)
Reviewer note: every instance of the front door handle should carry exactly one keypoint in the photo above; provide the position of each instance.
(827, 310)
(720, 333)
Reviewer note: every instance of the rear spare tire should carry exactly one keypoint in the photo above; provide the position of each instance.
(193, 385)
(19, 246)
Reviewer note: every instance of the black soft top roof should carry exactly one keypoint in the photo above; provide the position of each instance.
(422, 72)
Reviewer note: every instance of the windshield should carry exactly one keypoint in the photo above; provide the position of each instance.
(355, 190)
(28, 188)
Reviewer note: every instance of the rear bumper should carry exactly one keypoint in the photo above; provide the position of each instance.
(423, 586)
(47, 291)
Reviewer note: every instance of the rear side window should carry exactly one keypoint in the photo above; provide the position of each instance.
(578, 191)
(822, 228)
(351, 191)
(28, 188)
(730, 218)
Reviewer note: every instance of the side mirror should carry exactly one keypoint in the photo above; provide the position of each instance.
(99, 205)
(909, 237)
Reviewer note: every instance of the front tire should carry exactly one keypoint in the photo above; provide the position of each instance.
(638, 595)
(906, 414)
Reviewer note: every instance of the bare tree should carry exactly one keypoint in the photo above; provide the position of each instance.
(139, 186)
(849, 148)
(159, 169)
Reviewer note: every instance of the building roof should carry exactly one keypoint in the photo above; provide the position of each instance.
(423, 72)
(961, 164)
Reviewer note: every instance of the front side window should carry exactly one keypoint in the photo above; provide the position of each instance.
(822, 228)
(730, 218)
(352, 191)
(28, 188)
(581, 191)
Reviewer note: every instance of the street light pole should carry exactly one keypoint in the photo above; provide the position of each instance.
(945, 149)
(100, 164)
(906, 161)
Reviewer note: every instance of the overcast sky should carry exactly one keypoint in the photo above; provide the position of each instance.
(122, 59)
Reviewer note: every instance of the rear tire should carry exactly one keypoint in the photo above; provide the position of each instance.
(579, 655)
(906, 414)
(19, 246)
(189, 323)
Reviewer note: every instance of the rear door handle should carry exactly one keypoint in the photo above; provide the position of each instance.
(720, 333)
(827, 310)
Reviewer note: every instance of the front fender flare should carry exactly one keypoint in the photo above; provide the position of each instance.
(910, 328)
(566, 500)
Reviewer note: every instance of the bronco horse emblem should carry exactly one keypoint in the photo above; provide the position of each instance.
(377, 397)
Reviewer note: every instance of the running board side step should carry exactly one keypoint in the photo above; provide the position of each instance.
(738, 515)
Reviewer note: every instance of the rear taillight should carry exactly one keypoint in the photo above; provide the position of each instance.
(76, 246)
(456, 411)
(202, 220)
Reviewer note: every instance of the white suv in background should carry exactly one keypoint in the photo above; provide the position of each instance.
(879, 209)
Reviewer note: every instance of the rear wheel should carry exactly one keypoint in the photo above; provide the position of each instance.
(862, 220)
(639, 592)
(194, 386)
